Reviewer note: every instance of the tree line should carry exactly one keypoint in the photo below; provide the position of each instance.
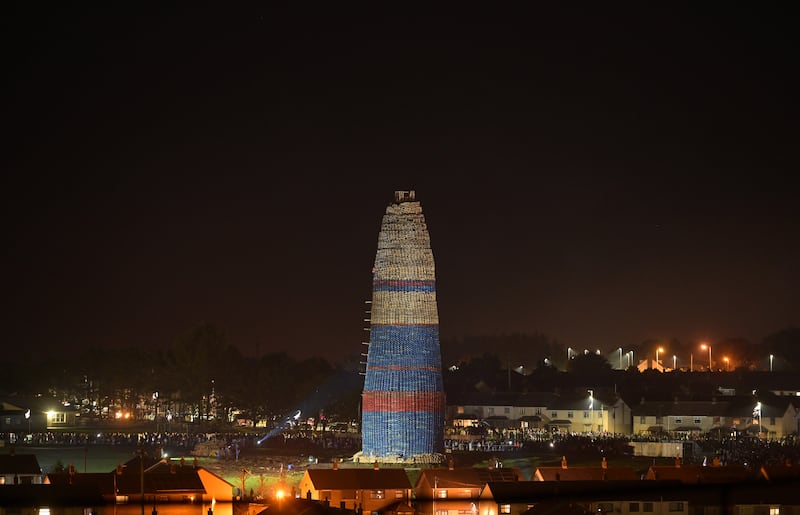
(202, 376)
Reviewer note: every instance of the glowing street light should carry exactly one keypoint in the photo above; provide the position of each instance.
(727, 363)
(771, 356)
(569, 353)
(591, 406)
(757, 413)
(674, 362)
(620, 357)
(660, 349)
(705, 346)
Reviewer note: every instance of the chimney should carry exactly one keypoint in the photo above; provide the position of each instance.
(375, 465)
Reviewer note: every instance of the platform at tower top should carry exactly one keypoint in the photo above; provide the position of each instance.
(405, 196)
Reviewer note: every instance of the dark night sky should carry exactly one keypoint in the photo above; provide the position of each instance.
(601, 177)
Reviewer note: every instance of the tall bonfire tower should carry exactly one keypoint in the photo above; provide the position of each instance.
(403, 399)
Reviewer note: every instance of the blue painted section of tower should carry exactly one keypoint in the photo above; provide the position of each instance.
(403, 398)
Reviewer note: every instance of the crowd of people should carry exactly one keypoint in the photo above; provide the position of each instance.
(742, 450)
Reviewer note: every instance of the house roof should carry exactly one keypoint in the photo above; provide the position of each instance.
(699, 474)
(8, 407)
(780, 472)
(25, 464)
(579, 403)
(466, 477)
(681, 408)
(101, 481)
(531, 491)
(52, 495)
(525, 399)
(358, 479)
(154, 482)
(586, 474)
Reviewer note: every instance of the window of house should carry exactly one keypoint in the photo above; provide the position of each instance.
(774, 510)
(505, 508)
(647, 507)
(772, 421)
(441, 493)
(633, 507)
(697, 420)
(585, 414)
(642, 420)
(538, 411)
(675, 506)
(506, 410)
(490, 411)
(377, 494)
(59, 417)
(678, 420)
(7, 421)
(553, 414)
(569, 414)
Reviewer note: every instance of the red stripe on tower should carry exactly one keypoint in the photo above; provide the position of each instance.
(400, 402)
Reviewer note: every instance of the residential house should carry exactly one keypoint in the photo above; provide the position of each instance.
(13, 419)
(215, 487)
(578, 414)
(457, 488)
(497, 405)
(580, 497)
(387, 490)
(680, 417)
(20, 469)
(769, 417)
(159, 481)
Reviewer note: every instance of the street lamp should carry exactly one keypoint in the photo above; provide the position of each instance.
(660, 349)
(771, 356)
(705, 346)
(620, 358)
(591, 407)
(757, 413)
(727, 363)
(674, 362)
(630, 358)
(569, 352)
